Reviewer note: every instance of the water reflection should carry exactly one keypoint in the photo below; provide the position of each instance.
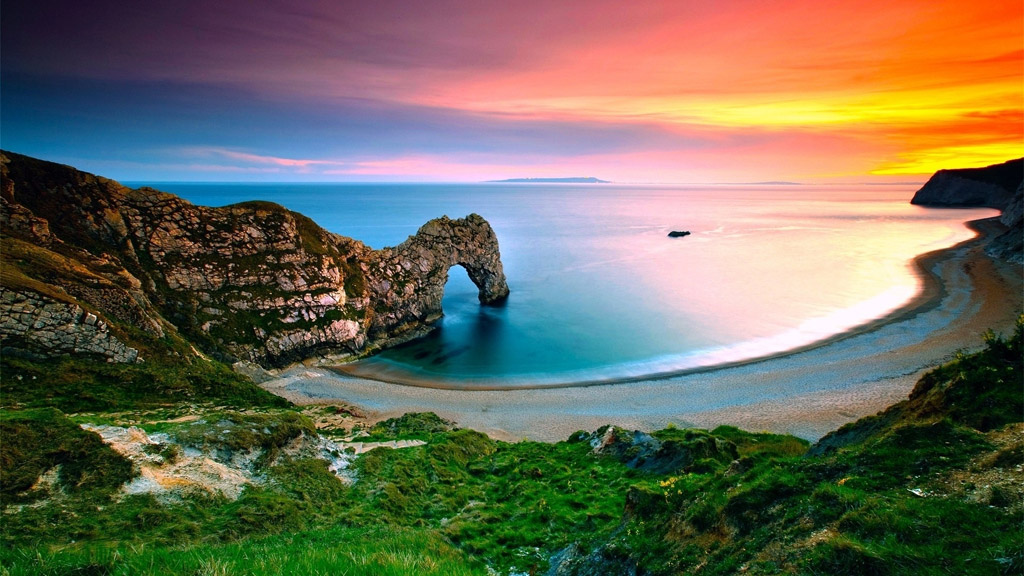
(599, 292)
(467, 340)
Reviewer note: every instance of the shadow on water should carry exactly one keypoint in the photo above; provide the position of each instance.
(465, 340)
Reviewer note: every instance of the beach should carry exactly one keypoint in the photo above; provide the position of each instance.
(805, 392)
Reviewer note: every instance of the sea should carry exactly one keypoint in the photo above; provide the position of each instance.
(600, 292)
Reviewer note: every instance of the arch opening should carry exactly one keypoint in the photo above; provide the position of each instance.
(459, 292)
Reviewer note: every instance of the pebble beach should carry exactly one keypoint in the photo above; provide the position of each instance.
(806, 392)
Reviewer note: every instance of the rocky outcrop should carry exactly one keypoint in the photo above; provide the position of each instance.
(1013, 214)
(33, 323)
(992, 186)
(574, 561)
(998, 186)
(666, 451)
(407, 282)
(252, 281)
(217, 458)
(1010, 244)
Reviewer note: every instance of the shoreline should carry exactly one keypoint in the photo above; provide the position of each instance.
(930, 296)
(807, 391)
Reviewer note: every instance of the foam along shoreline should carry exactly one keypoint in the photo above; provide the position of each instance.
(807, 391)
(930, 295)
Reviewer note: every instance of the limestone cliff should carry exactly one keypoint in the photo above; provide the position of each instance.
(1010, 244)
(992, 186)
(250, 281)
(998, 186)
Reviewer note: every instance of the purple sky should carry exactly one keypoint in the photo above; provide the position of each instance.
(474, 90)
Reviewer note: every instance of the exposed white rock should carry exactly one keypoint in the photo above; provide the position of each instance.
(170, 471)
(56, 327)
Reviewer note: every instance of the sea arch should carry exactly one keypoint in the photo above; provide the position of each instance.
(407, 281)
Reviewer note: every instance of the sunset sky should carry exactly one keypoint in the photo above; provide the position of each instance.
(469, 90)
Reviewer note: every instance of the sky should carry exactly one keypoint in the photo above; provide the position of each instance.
(469, 90)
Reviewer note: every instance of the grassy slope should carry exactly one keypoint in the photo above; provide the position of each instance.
(926, 487)
(77, 385)
(889, 494)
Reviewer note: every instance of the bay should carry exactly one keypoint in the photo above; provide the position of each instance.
(600, 292)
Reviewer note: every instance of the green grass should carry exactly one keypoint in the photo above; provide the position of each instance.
(878, 500)
(511, 503)
(379, 551)
(79, 385)
(982, 390)
(34, 441)
(414, 426)
(508, 504)
(763, 444)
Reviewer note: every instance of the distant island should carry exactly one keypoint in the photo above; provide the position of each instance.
(575, 180)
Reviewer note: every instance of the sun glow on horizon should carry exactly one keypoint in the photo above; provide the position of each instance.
(740, 90)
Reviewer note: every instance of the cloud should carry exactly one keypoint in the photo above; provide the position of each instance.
(316, 89)
(249, 158)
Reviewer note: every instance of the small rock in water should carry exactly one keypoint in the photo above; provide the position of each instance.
(678, 233)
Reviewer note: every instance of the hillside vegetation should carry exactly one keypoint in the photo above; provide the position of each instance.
(932, 485)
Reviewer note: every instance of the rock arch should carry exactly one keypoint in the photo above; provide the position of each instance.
(407, 281)
(252, 281)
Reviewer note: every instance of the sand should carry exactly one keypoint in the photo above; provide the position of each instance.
(806, 392)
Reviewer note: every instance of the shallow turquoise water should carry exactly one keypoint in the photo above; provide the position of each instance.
(598, 289)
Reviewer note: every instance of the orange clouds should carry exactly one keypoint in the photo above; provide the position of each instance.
(921, 84)
(675, 90)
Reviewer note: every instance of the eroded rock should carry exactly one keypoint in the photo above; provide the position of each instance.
(251, 282)
(38, 324)
(992, 186)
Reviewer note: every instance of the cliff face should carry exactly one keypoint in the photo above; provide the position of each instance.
(1010, 244)
(992, 186)
(251, 281)
(406, 283)
(998, 186)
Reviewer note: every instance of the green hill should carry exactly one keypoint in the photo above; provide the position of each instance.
(129, 446)
(932, 485)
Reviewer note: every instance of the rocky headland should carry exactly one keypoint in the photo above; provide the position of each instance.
(93, 267)
(999, 186)
(1010, 244)
(992, 186)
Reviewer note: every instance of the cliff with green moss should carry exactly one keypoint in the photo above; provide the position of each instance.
(92, 267)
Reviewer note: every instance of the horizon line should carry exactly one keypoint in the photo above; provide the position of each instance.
(479, 182)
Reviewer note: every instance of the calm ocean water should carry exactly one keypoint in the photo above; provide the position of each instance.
(598, 289)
